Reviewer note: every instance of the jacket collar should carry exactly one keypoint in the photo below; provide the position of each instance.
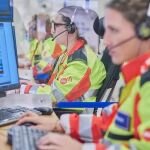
(79, 43)
(135, 67)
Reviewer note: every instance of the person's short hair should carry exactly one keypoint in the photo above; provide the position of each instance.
(134, 11)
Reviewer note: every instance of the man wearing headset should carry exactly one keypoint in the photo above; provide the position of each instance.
(74, 77)
(127, 125)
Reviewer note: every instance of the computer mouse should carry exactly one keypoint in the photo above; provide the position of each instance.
(44, 110)
(28, 124)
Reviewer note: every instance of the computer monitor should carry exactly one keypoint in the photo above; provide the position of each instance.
(6, 10)
(8, 65)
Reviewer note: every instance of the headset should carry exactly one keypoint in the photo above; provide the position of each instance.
(143, 29)
(70, 25)
(98, 27)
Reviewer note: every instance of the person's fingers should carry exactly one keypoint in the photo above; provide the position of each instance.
(28, 114)
(50, 138)
(40, 127)
(28, 119)
(48, 147)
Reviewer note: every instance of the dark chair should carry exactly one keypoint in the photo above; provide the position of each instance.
(112, 70)
(111, 79)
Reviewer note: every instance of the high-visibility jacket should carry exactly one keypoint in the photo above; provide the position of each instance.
(43, 55)
(123, 126)
(77, 76)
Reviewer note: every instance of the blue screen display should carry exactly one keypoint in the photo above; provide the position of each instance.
(8, 62)
(6, 10)
(4, 7)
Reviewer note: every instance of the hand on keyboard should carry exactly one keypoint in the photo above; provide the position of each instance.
(58, 141)
(25, 138)
(42, 122)
(10, 115)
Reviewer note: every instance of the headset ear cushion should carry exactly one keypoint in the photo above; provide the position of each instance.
(143, 31)
(71, 28)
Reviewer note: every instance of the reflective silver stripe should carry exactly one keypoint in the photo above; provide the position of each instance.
(57, 93)
(90, 93)
(64, 121)
(85, 127)
(33, 89)
(50, 60)
(106, 142)
(133, 147)
(88, 146)
(108, 110)
(88, 111)
(114, 147)
(22, 89)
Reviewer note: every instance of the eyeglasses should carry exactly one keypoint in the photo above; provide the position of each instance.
(54, 24)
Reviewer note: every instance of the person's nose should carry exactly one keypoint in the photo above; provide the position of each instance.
(107, 39)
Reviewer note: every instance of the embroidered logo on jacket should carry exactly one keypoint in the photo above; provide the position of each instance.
(122, 120)
(66, 80)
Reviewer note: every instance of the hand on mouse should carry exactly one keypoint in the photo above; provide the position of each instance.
(42, 122)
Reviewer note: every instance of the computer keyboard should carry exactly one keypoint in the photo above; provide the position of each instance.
(10, 115)
(24, 138)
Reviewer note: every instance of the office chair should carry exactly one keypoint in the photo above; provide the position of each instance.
(112, 70)
(112, 76)
(61, 111)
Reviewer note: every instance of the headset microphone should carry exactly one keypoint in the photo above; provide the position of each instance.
(58, 34)
(122, 42)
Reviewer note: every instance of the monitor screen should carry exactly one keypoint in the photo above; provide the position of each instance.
(6, 10)
(8, 65)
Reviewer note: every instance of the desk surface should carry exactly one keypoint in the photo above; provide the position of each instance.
(3, 134)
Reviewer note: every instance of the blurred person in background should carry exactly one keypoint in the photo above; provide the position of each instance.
(43, 52)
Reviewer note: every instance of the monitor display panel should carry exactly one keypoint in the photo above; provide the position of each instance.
(8, 65)
(6, 10)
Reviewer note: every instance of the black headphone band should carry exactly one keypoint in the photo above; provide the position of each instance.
(70, 26)
(143, 29)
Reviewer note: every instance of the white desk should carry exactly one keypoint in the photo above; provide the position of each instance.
(26, 100)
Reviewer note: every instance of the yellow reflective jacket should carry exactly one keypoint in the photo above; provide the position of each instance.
(122, 127)
(43, 55)
(76, 77)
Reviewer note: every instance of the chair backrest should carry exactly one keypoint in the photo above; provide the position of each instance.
(111, 79)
